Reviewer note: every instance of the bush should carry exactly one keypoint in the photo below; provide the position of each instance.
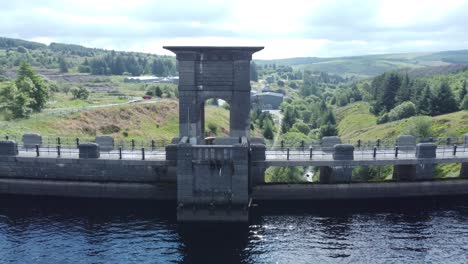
(420, 127)
(80, 93)
(213, 128)
(301, 127)
(401, 111)
(383, 118)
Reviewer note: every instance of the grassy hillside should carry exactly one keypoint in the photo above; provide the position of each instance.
(356, 122)
(142, 121)
(372, 65)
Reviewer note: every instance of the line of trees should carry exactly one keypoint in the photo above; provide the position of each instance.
(395, 96)
(117, 64)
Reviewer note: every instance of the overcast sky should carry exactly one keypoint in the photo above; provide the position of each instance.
(291, 28)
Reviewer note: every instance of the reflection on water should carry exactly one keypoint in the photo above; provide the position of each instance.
(90, 231)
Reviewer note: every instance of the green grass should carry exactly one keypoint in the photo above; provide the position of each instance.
(144, 121)
(372, 65)
(354, 118)
(356, 122)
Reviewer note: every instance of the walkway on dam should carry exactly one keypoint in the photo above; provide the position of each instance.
(278, 157)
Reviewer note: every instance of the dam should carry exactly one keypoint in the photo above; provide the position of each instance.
(218, 180)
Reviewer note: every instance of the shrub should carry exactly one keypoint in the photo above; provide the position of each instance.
(420, 127)
(401, 111)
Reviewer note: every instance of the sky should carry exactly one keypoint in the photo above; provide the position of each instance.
(292, 28)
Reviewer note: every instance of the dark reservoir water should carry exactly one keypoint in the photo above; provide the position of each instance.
(90, 231)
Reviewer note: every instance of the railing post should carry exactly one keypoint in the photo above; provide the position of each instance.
(58, 150)
(58, 141)
(454, 149)
(282, 144)
(6, 137)
(77, 142)
(120, 152)
(133, 144)
(37, 150)
(378, 143)
(396, 152)
(375, 152)
(153, 145)
(302, 144)
(143, 153)
(287, 154)
(359, 143)
(310, 153)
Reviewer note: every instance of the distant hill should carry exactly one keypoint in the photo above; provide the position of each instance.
(372, 65)
(12, 51)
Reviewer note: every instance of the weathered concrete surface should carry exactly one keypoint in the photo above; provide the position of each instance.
(285, 192)
(89, 151)
(30, 140)
(89, 189)
(213, 72)
(106, 143)
(337, 174)
(94, 170)
(8, 148)
(214, 177)
(328, 143)
(406, 142)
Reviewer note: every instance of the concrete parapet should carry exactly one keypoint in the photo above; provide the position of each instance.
(258, 153)
(343, 152)
(338, 174)
(30, 140)
(423, 171)
(106, 143)
(464, 171)
(426, 150)
(171, 152)
(465, 140)
(89, 151)
(226, 141)
(406, 142)
(8, 148)
(328, 143)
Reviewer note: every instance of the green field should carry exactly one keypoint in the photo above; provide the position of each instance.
(142, 121)
(372, 65)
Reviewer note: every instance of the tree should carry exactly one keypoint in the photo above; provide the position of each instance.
(15, 101)
(328, 130)
(462, 92)
(63, 67)
(404, 93)
(391, 86)
(444, 101)
(31, 84)
(464, 103)
(268, 129)
(158, 92)
(80, 93)
(424, 104)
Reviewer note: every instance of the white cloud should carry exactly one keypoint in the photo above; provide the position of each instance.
(286, 28)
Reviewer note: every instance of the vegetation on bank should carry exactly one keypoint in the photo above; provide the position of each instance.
(141, 121)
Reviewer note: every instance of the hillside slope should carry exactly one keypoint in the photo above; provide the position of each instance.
(143, 121)
(356, 122)
(372, 65)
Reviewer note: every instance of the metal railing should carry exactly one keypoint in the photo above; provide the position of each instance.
(363, 153)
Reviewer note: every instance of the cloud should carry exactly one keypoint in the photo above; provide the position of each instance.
(286, 28)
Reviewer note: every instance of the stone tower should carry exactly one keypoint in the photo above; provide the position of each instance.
(213, 72)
